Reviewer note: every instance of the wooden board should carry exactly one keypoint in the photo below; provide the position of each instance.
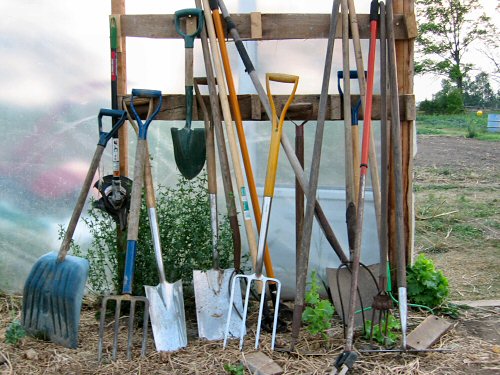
(260, 364)
(274, 26)
(173, 107)
(428, 332)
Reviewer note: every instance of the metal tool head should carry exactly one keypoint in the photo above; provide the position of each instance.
(254, 278)
(168, 320)
(189, 150)
(132, 301)
(52, 299)
(212, 296)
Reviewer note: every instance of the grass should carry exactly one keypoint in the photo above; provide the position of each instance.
(457, 226)
(468, 125)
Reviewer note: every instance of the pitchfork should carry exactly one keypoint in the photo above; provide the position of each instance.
(272, 166)
(132, 235)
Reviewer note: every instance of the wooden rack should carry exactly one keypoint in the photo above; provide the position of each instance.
(257, 26)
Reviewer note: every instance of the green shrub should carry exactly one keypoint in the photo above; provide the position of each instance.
(425, 285)
(15, 332)
(319, 313)
(185, 235)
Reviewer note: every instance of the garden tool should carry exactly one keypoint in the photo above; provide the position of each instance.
(132, 235)
(345, 361)
(313, 179)
(235, 107)
(189, 144)
(221, 147)
(353, 74)
(166, 300)
(272, 167)
(212, 287)
(382, 302)
(106, 203)
(374, 175)
(118, 197)
(398, 172)
(288, 148)
(233, 146)
(53, 291)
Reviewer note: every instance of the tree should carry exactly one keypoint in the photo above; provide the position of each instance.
(447, 28)
(449, 100)
(478, 92)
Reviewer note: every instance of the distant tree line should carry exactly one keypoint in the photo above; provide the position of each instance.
(447, 29)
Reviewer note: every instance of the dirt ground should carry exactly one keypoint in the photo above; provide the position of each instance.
(451, 174)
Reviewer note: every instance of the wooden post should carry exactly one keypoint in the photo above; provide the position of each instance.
(405, 69)
(118, 8)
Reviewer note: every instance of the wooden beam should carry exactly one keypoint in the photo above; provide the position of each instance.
(274, 26)
(173, 107)
(405, 69)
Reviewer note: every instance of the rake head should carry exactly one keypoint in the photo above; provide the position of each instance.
(132, 300)
(254, 278)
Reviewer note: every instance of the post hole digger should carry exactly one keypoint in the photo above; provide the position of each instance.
(189, 144)
(132, 235)
(347, 358)
(166, 300)
(272, 165)
(212, 287)
(53, 292)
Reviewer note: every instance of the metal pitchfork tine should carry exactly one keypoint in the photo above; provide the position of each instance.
(272, 167)
(132, 236)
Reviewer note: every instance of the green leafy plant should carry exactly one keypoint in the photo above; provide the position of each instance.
(380, 334)
(319, 312)
(234, 369)
(426, 285)
(186, 238)
(15, 332)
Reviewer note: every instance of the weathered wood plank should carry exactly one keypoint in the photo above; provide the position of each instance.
(428, 332)
(274, 26)
(251, 110)
(261, 364)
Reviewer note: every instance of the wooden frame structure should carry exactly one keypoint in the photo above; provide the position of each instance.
(257, 26)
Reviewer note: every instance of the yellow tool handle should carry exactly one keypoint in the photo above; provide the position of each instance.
(277, 129)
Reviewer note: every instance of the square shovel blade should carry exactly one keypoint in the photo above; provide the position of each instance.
(212, 290)
(166, 309)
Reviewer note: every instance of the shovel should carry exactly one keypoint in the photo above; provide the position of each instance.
(166, 300)
(272, 167)
(189, 144)
(132, 235)
(53, 292)
(211, 288)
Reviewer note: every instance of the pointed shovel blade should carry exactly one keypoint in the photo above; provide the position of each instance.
(166, 310)
(189, 150)
(212, 291)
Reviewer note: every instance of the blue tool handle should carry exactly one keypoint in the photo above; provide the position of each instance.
(128, 276)
(104, 137)
(189, 12)
(151, 94)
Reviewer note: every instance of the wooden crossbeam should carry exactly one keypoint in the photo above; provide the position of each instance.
(274, 26)
(173, 107)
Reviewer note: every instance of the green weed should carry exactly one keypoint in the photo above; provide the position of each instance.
(15, 332)
(319, 313)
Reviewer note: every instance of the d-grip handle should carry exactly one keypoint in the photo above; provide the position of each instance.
(150, 94)
(104, 137)
(189, 12)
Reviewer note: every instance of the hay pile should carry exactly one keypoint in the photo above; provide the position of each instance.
(470, 355)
